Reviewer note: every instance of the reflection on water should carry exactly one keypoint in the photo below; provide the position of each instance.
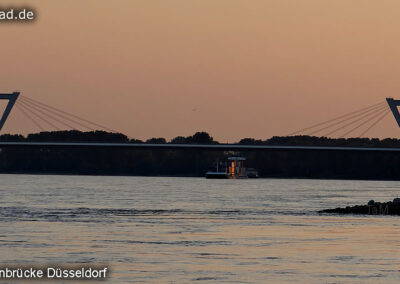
(191, 229)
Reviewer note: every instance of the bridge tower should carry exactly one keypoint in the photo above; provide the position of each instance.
(12, 98)
(393, 104)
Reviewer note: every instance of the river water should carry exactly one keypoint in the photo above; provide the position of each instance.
(180, 230)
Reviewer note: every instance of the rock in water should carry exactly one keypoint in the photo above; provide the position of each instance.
(371, 208)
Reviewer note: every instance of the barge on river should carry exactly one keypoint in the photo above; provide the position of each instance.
(232, 169)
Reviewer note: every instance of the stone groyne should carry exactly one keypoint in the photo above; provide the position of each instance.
(371, 208)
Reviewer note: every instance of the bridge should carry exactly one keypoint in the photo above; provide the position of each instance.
(41, 114)
(208, 147)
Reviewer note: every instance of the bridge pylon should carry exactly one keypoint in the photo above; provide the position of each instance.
(393, 104)
(12, 98)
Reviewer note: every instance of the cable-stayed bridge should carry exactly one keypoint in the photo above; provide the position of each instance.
(46, 117)
(356, 123)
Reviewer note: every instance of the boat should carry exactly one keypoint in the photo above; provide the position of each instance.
(217, 175)
(232, 169)
(252, 173)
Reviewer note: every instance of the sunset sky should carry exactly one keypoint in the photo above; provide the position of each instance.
(233, 68)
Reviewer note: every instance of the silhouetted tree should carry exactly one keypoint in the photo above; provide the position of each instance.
(179, 140)
(201, 138)
(156, 141)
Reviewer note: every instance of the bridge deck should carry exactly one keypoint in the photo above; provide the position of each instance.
(213, 147)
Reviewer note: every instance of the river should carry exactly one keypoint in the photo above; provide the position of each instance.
(179, 230)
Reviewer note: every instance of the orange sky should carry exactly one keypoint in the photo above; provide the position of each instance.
(233, 68)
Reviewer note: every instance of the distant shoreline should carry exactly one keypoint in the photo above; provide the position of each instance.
(192, 162)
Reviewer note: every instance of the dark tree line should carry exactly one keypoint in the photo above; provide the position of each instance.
(283, 164)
